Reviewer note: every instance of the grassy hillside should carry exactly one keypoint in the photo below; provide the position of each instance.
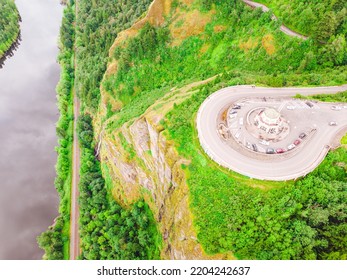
(320, 19)
(204, 38)
(232, 37)
(9, 25)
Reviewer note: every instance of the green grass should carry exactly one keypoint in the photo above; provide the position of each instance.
(344, 140)
(338, 97)
(294, 62)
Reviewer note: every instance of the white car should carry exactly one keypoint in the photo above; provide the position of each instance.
(336, 108)
(263, 142)
(241, 121)
(290, 107)
(333, 123)
(291, 147)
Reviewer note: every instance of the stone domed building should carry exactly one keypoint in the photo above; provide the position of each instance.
(270, 121)
(267, 124)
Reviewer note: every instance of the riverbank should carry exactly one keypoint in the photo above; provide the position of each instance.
(28, 201)
(56, 240)
(10, 33)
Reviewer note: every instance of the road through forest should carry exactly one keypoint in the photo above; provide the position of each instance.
(283, 28)
(75, 213)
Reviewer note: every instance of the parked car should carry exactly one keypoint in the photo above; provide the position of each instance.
(263, 142)
(232, 112)
(291, 147)
(280, 151)
(309, 104)
(297, 142)
(290, 107)
(236, 107)
(336, 108)
(302, 135)
(270, 151)
(255, 148)
(333, 123)
(248, 145)
(241, 121)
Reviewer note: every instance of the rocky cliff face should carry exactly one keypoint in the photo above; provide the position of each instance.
(140, 161)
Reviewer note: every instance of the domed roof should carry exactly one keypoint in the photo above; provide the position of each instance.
(271, 113)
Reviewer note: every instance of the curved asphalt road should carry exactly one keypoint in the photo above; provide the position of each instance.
(283, 28)
(298, 165)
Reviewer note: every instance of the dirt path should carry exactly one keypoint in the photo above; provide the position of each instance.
(283, 28)
(75, 213)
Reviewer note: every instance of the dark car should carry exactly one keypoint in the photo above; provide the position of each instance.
(302, 135)
(297, 142)
(255, 148)
(236, 107)
(280, 151)
(309, 104)
(270, 151)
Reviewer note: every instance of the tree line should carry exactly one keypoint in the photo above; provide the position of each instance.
(55, 241)
(9, 25)
(108, 230)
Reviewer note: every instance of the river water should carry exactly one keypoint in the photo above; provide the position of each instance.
(28, 113)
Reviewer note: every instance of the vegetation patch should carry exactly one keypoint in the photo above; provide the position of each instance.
(55, 241)
(107, 230)
(9, 25)
(189, 24)
(268, 44)
(250, 44)
(320, 19)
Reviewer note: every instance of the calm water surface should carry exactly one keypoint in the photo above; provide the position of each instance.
(28, 113)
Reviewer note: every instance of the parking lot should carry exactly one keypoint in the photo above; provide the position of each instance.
(233, 120)
(303, 118)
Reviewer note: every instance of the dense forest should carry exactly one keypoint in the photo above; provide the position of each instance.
(323, 20)
(98, 24)
(9, 25)
(107, 230)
